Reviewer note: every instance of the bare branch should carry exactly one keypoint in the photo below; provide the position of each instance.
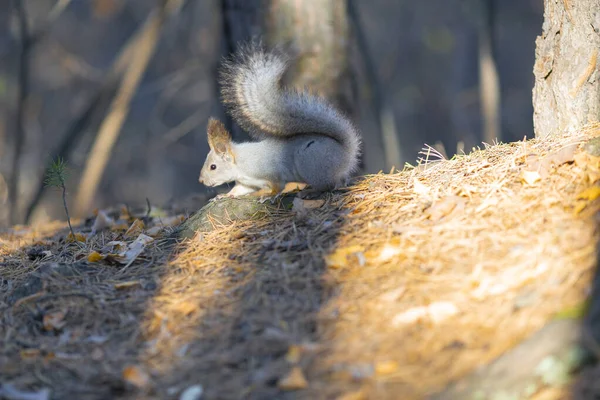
(110, 128)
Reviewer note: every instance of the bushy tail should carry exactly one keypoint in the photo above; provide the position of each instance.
(252, 93)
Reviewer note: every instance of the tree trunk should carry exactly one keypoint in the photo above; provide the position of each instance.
(316, 32)
(566, 95)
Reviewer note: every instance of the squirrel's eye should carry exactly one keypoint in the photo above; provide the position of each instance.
(213, 167)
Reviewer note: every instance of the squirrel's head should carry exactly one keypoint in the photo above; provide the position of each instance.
(219, 167)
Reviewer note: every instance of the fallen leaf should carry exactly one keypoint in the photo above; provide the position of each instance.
(115, 246)
(530, 177)
(54, 321)
(79, 237)
(294, 380)
(119, 227)
(294, 354)
(101, 222)
(125, 214)
(172, 221)
(136, 376)
(436, 312)
(193, 392)
(127, 285)
(28, 354)
(133, 250)
(293, 187)
(419, 188)
(341, 257)
(386, 367)
(590, 194)
(94, 256)
(135, 229)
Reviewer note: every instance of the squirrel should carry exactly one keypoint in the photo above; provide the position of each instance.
(302, 137)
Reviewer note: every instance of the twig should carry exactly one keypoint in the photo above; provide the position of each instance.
(64, 196)
(111, 126)
(22, 96)
(149, 209)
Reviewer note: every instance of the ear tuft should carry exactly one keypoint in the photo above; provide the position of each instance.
(219, 139)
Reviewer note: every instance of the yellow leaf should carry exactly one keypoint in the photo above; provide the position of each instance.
(136, 376)
(386, 367)
(590, 194)
(294, 380)
(27, 354)
(94, 256)
(79, 237)
(293, 355)
(342, 256)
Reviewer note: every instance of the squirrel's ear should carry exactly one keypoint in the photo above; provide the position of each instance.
(219, 138)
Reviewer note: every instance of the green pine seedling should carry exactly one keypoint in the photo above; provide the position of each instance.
(56, 175)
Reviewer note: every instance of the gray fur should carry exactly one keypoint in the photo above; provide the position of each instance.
(303, 138)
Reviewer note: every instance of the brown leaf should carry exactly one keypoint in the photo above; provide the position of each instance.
(294, 380)
(135, 229)
(127, 285)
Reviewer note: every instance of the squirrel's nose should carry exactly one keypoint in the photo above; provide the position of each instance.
(200, 180)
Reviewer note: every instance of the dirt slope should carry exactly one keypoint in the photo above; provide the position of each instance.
(388, 291)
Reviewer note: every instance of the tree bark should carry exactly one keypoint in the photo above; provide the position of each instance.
(566, 95)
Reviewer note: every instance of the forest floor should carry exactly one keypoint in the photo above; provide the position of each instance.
(392, 289)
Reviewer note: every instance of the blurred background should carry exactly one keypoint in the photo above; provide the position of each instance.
(448, 73)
